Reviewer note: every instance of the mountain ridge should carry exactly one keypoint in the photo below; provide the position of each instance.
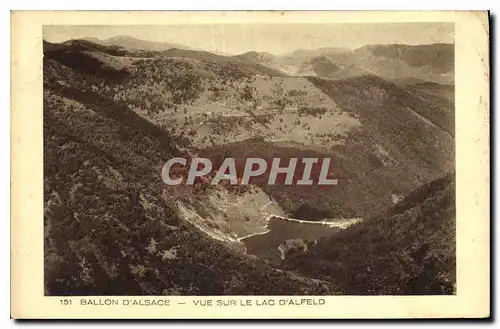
(135, 43)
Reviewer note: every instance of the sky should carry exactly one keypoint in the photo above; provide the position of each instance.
(273, 38)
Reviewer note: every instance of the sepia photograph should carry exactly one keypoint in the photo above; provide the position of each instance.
(376, 99)
(283, 163)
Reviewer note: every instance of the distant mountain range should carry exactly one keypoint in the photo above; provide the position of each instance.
(432, 62)
(134, 43)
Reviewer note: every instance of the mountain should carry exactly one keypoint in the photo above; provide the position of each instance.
(326, 68)
(79, 45)
(134, 43)
(107, 227)
(409, 250)
(392, 140)
(90, 58)
(245, 63)
(381, 137)
(320, 66)
(256, 56)
(299, 56)
(432, 62)
(268, 60)
(113, 115)
(439, 56)
(395, 62)
(292, 63)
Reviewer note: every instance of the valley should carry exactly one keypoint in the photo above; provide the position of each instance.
(116, 110)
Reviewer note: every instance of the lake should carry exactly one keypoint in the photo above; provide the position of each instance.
(281, 229)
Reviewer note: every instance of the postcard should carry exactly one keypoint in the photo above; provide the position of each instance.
(250, 165)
